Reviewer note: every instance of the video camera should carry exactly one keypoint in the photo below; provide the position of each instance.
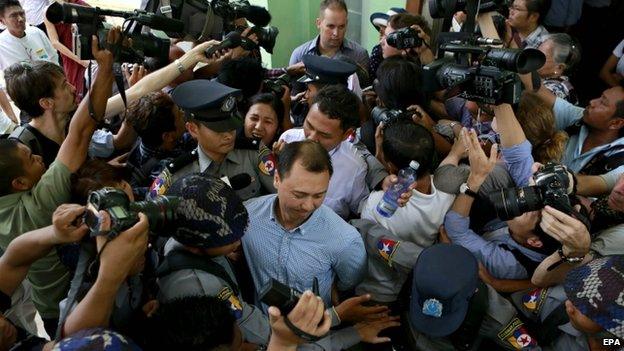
(387, 116)
(552, 188)
(470, 67)
(90, 21)
(160, 212)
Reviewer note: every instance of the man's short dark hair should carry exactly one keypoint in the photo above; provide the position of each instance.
(338, 102)
(94, 175)
(403, 20)
(399, 83)
(27, 82)
(340, 4)
(540, 7)
(151, 116)
(404, 141)
(8, 3)
(311, 154)
(11, 165)
(194, 323)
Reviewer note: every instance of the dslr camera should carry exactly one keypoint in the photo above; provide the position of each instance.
(160, 212)
(404, 38)
(283, 297)
(90, 21)
(275, 86)
(552, 188)
(387, 116)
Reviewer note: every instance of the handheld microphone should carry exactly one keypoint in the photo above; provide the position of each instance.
(231, 40)
(240, 181)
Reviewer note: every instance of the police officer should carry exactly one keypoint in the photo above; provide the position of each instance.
(212, 119)
(320, 71)
(451, 309)
(210, 222)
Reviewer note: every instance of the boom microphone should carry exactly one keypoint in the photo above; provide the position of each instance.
(240, 181)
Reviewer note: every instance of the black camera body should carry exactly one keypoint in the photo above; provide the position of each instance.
(404, 38)
(160, 212)
(552, 188)
(387, 116)
(283, 297)
(275, 86)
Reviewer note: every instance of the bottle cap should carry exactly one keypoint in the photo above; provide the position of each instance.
(414, 165)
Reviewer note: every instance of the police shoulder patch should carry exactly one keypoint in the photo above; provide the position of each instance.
(387, 248)
(534, 300)
(160, 184)
(226, 294)
(516, 335)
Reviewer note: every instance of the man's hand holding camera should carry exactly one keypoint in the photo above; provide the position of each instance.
(569, 231)
(68, 227)
(480, 165)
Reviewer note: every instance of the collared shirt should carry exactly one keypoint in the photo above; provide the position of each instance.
(347, 186)
(533, 40)
(324, 246)
(349, 48)
(565, 115)
(236, 162)
(501, 263)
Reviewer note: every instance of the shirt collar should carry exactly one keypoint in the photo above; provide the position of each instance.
(314, 46)
(303, 228)
(205, 161)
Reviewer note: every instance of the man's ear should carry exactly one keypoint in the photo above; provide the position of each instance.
(20, 184)
(534, 16)
(347, 133)
(616, 123)
(168, 137)
(318, 23)
(192, 128)
(535, 242)
(276, 180)
(46, 103)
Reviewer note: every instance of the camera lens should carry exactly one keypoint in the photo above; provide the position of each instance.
(161, 212)
(513, 202)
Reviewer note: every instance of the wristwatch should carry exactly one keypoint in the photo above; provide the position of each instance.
(465, 189)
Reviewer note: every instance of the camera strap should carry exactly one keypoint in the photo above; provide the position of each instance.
(300, 333)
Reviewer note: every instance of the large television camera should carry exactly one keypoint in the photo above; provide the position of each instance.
(90, 21)
(470, 66)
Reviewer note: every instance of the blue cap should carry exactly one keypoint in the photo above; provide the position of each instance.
(445, 278)
(96, 339)
(321, 69)
(209, 102)
(379, 19)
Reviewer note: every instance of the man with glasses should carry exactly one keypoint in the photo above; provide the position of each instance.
(524, 24)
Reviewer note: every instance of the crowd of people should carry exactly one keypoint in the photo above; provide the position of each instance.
(333, 204)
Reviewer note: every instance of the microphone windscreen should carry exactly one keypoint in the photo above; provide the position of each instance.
(257, 15)
(54, 13)
(240, 181)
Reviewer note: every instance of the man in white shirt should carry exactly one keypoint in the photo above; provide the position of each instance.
(331, 121)
(20, 42)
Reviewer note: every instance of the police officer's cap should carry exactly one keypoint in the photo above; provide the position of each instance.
(445, 278)
(209, 102)
(321, 69)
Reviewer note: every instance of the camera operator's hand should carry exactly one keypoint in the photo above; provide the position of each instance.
(379, 144)
(68, 225)
(369, 331)
(424, 52)
(253, 37)
(138, 72)
(198, 54)
(458, 150)
(353, 310)
(419, 116)
(480, 165)
(119, 255)
(296, 69)
(300, 96)
(104, 56)
(569, 231)
(309, 316)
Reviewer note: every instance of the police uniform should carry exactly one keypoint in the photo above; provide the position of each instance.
(320, 70)
(488, 316)
(214, 105)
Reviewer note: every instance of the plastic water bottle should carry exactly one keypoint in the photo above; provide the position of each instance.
(389, 203)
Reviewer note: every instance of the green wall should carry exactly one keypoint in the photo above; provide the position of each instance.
(296, 22)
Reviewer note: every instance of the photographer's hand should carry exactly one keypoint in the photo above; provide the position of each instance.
(309, 316)
(68, 225)
(369, 331)
(480, 164)
(569, 231)
(354, 310)
(424, 52)
(296, 69)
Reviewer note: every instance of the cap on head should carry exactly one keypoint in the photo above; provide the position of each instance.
(445, 278)
(210, 214)
(209, 102)
(96, 339)
(379, 19)
(596, 290)
(324, 70)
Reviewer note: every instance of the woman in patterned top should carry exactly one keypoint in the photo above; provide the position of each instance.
(562, 54)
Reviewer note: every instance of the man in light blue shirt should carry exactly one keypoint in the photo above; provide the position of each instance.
(332, 26)
(595, 132)
(292, 237)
